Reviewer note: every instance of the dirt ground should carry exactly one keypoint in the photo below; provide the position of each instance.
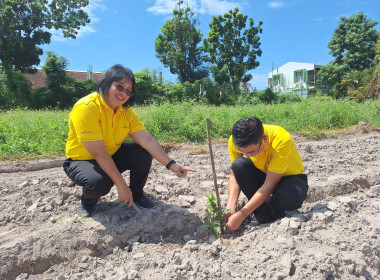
(335, 235)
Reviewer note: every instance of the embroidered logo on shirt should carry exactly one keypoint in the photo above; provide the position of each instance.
(87, 132)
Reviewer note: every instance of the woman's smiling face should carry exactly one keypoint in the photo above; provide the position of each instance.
(119, 93)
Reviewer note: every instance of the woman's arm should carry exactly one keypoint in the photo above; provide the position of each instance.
(106, 163)
(149, 143)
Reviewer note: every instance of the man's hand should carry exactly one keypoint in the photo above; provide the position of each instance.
(227, 215)
(125, 195)
(234, 221)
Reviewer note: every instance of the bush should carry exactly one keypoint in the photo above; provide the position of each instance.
(289, 98)
(14, 89)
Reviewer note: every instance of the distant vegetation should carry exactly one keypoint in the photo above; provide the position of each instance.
(213, 69)
(42, 133)
(213, 79)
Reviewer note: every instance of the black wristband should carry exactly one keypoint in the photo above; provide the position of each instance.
(170, 163)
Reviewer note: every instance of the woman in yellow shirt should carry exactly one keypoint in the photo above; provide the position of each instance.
(270, 176)
(95, 153)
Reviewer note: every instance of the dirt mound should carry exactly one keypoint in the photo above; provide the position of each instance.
(335, 235)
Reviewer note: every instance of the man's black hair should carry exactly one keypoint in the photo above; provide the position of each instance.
(247, 131)
(115, 74)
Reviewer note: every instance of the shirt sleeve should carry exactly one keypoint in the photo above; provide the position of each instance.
(234, 154)
(86, 123)
(135, 124)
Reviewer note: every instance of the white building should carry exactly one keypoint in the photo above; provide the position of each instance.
(296, 77)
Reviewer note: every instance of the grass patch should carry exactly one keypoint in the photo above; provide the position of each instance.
(37, 134)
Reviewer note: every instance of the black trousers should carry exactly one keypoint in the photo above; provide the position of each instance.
(289, 193)
(96, 183)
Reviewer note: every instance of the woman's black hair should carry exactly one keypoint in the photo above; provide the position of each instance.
(115, 74)
(247, 131)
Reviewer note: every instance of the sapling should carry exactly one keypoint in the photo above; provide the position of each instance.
(213, 203)
(215, 215)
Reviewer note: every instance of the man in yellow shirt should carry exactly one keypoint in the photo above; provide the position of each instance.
(270, 176)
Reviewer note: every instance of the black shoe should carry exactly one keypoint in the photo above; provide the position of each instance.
(85, 210)
(144, 202)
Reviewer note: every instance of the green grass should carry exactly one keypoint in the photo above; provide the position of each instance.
(33, 134)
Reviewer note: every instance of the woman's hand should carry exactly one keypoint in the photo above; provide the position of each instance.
(125, 194)
(180, 171)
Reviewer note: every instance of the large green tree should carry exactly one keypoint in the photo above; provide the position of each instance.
(353, 42)
(353, 45)
(27, 24)
(56, 80)
(177, 46)
(233, 45)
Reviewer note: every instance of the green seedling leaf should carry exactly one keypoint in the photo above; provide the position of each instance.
(207, 225)
(215, 215)
(215, 232)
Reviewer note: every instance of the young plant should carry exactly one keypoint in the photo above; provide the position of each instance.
(215, 215)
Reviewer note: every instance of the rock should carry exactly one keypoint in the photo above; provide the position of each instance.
(133, 274)
(134, 239)
(23, 184)
(161, 189)
(177, 260)
(32, 207)
(186, 201)
(139, 256)
(332, 205)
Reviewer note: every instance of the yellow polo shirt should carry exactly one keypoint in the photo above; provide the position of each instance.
(91, 119)
(279, 155)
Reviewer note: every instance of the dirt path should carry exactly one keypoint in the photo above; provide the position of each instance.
(335, 235)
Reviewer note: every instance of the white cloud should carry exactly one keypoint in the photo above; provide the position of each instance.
(162, 7)
(217, 7)
(276, 5)
(211, 7)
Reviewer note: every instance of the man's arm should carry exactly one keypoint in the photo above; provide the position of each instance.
(257, 199)
(233, 195)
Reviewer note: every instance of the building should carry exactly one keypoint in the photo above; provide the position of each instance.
(296, 77)
(37, 79)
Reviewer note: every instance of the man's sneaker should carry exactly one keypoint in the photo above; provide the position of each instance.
(85, 210)
(144, 202)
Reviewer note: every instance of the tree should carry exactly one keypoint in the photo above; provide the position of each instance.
(26, 24)
(177, 46)
(353, 42)
(56, 80)
(230, 44)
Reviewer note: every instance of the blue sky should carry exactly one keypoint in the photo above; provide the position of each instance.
(124, 31)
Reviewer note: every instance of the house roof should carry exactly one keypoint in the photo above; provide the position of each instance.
(37, 79)
(292, 66)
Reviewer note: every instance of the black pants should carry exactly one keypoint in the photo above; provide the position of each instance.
(289, 193)
(96, 183)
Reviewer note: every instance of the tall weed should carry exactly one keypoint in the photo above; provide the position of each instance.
(42, 133)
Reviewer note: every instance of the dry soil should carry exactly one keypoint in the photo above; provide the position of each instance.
(335, 235)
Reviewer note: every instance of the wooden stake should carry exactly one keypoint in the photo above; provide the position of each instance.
(138, 210)
(213, 168)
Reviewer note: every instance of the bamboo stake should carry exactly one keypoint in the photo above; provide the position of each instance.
(138, 210)
(213, 169)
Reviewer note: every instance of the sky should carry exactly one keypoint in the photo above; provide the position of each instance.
(124, 32)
